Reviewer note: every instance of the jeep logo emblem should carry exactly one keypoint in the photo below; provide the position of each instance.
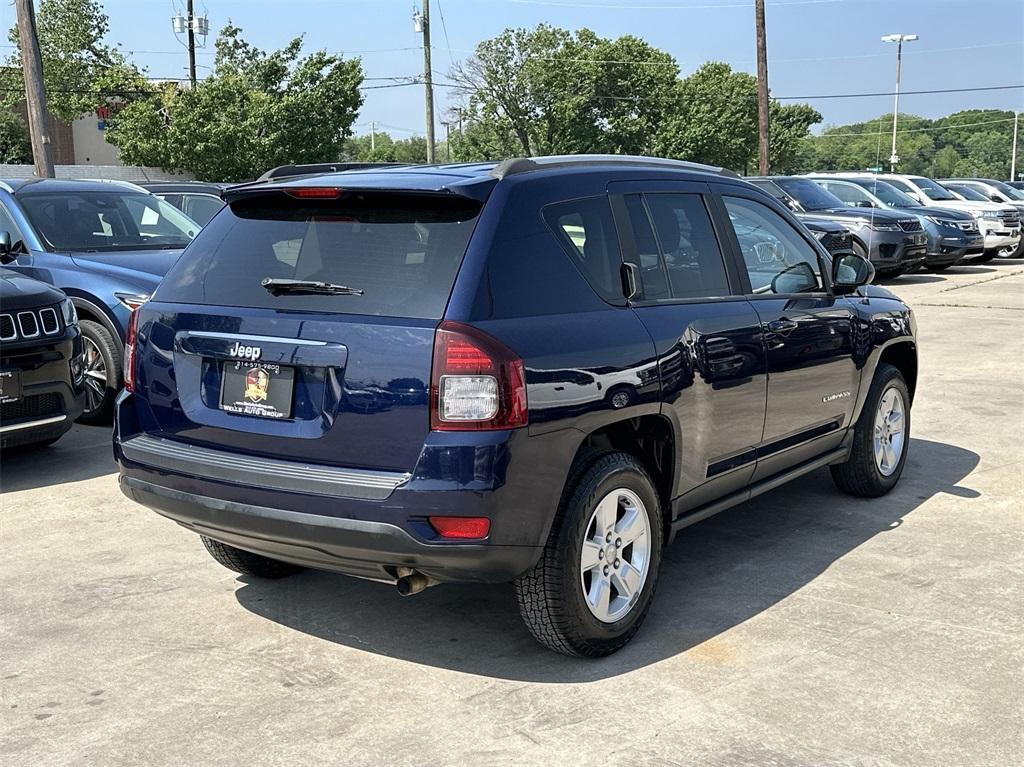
(245, 352)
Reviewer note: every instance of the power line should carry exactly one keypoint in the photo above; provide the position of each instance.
(675, 7)
(893, 93)
(918, 130)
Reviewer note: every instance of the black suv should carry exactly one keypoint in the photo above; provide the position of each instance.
(41, 362)
(537, 371)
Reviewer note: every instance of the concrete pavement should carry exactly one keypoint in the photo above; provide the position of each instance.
(805, 628)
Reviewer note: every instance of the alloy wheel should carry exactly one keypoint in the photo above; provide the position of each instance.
(95, 376)
(889, 435)
(616, 555)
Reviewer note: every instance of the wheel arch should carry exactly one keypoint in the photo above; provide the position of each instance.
(903, 356)
(650, 438)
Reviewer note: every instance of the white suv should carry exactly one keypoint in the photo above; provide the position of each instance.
(999, 223)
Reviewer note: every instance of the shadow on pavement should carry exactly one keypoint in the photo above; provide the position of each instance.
(83, 453)
(917, 278)
(716, 575)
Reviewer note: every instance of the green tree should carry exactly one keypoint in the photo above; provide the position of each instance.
(789, 128)
(81, 71)
(944, 162)
(15, 145)
(255, 111)
(551, 91)
(384, 148)
(987, 156)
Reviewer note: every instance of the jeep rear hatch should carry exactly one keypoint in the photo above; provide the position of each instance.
(300, 325)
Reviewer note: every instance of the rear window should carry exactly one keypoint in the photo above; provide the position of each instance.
(403, 252)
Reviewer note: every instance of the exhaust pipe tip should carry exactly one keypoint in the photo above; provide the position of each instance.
(411, 584)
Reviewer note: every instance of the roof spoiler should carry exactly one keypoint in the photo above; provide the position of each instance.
(292, 171)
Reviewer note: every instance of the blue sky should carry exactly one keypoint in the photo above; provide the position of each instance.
(814, 46)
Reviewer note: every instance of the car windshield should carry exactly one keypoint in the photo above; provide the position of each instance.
(108, 221)
(1008, 191)
(969, 193)
(889, 194)
(809, 195)
(934, 190)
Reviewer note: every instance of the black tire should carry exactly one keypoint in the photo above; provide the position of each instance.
(247, 563)
(100, 407)
(860, 475)
(989, 255)
(551, 594)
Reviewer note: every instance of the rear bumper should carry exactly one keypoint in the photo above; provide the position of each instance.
(362, 548)
(360, 522)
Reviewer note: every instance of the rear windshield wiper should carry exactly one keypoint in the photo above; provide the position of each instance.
(278, 286)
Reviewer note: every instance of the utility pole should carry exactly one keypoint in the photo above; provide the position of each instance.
(422, 24)
(191, 43)
(373, 137)
(899, 40)
(1013, 154)
(762, 89)
(35, 93)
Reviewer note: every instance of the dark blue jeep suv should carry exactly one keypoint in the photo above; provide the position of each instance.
(536, 371)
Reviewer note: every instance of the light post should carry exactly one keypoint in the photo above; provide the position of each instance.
(899, 40)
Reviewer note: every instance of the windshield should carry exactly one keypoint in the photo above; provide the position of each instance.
(851, 194)
(889, 194)
(932, 189)
(1008, 191)
(968, 193)
(108, 221)
(809, 195)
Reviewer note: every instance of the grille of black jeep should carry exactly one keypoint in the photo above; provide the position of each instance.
(19, 326)
(33, 406)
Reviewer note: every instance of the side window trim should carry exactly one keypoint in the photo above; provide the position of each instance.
(824, 260)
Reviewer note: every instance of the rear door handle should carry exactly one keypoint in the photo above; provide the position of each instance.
(782, 326)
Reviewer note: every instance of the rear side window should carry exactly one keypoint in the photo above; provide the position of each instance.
(586, 231)
(688, 242)
(402, 251)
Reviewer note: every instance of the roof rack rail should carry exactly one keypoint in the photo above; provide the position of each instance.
(289, 171)
(517, 165)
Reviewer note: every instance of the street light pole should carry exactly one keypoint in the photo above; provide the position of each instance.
(1013, 153)
(899, 40)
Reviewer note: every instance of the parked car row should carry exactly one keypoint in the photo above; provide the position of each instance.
(904, 222)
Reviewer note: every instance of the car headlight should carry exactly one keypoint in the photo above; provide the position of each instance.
(879, 226)
(819, 235)
(67, 310)
(942, 221)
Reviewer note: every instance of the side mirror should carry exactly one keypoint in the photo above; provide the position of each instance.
(863, 204)
(996, 197)
(850, 271)
(6, 256)
(798, 278)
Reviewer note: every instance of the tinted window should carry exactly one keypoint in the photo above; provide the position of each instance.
(107, 221)
(7, 225)
(402, 252)
(848, 193)
(901, 185)
(653, 279)
(587, 233)
(689, 246)
(968, 193)
(200, 207)
(778, 259)
(810, 195)
(889, 194)
(933, 190)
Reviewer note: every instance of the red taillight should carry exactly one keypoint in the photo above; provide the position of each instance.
(461, 527)
(129, 351)
(314, 192)
(477, 384)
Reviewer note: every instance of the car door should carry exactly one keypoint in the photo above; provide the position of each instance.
(809, 334)
(707, 337)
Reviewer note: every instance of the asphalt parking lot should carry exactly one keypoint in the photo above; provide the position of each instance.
(805, 628)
